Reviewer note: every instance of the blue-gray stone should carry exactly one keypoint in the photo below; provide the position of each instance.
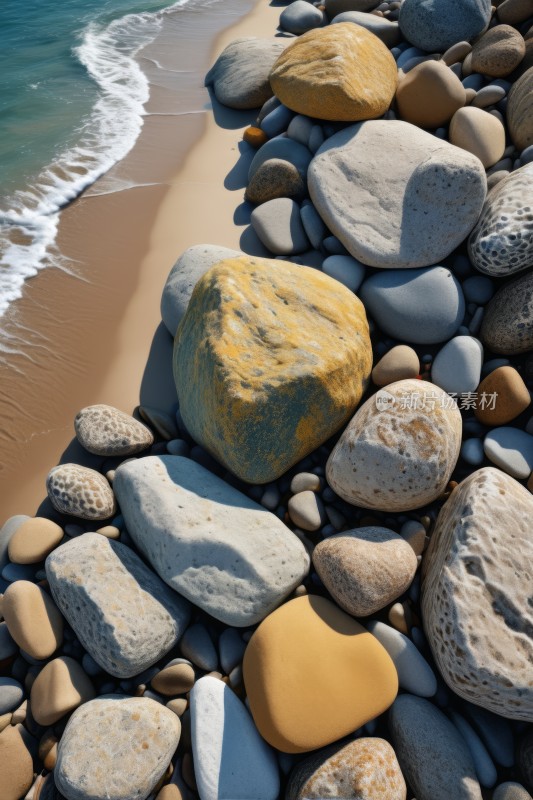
(457, 366)
(478, 289)
(472, 452)
(384, 29)
(278, 120)
(8, 646)
(496, 733)
(485, 769)
(300, 17)
(11, 694)
(314, 227)
(18, 572)
(278, 226)
(434, 25)
(284, 148)
(511, 450)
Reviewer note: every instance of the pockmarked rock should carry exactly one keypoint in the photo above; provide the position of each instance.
(296, 669)
(107, 431)
(423, 736)
(429, 95)
(230, 757)
(432, 193)
(476, 611)
(399, 449)
(60, 687)
(33, 619)
(80, 492)
(501, 244)
(269, 361)
(507, 325)
(208, 541)
(366, 769)
(116, 747)
(434, 25)
(340, 72)
(365, 569)
(239, 76)
(519, 111)
(141, 623)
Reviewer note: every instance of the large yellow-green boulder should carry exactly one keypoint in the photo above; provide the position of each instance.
(341, 72)
(270, 360)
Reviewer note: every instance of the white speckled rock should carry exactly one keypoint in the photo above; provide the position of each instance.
(208, 541)
(457, 367)
(106, 431)
(399, 449)
(365, 569)
(123, 614)
(239, 76)
(511, 449)
(116, 748)
(80, 491)
(430, 191)
(414, 673)
(475, 594)
(230, 757)
(502, 241)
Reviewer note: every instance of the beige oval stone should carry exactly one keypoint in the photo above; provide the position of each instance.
(398, 364)
(399, 450)
(16, 765)
(429, 95)
(365, 569)
(176, 679)
(478, 132)
(498, 52)
(507, 396)
(170, 792)
(33, 619)
(60, 687)
(341, 72)
(107, 431)
(519, 111)
(178, 705)
(34, 540)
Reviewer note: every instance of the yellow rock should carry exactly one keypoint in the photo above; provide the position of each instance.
(60, 687)
(313, 674)
(33, 619)
(34, 540)
(270, 360)
(341, 72)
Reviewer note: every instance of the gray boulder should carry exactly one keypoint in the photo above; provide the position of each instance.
(300, 17)
(434, 25)
(383, 28)
(279, 226)
(239, 76)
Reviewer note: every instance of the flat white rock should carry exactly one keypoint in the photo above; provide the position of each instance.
(511, 449)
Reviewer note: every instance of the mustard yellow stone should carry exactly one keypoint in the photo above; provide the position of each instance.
(270, 360)
(313, 675)
(341, 72)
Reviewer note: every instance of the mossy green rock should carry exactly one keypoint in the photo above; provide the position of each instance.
(270, 360)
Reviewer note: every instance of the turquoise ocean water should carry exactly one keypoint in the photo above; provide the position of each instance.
(71, 105)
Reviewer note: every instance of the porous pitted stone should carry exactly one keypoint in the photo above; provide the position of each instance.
(33, 619)
(116, 747)
(207, 540)
(498, 52)
(341, 72)
(475, 596)
(122, 613)
(106, 431)
(80, 492)
(270, 360)
(399, 450)
(435, 25)
(239, 76)
(508, 322)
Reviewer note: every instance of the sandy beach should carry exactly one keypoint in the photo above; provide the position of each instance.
(84, 335)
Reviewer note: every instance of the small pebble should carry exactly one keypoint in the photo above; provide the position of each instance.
(306, 511)
(196, 645)
(415, 534)
(472, 452)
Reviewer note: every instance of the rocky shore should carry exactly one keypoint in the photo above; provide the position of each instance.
(312, 577)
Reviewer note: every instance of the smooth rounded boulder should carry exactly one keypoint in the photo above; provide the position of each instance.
(270, 360)
(433, 193)
(342, 73)
(507, 326)
(239, 76)
(435, 25)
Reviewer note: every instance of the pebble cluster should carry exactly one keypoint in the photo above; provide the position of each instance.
(311, 577)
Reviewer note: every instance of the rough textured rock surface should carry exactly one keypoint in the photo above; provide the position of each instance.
(239, 76)
(399, 450)
(145, 619)
(341, 72)
(366, 769)
(296, 669)
(274, 178)
(498, 52)
(116, 747)
(508, 322)
(106, 431)
(502, 241)
(80, 492)
(477, 613)
(431, 192)
(519, 111)
(365, 569)
(209, 542)
(434, 25)
(269, 361)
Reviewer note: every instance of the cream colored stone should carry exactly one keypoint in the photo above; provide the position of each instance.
(33, 619)
(80, 491)
(60, 687)
(33, 540)
(16, 766)
(478, 132)
(175, 679)
(106, 431)
(398, 364)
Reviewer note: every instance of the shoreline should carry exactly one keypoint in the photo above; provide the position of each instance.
(87, 336)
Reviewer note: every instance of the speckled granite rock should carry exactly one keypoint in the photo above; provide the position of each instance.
(270, 360)
(116, 747)
(476, 611)
(507, 326)
(275, 178)
(239, 76)
(519, 111)
(142, 623)
(209, 542)
(434, 25)
(399, 450)
(106, 431)
(80, 491)
(366, 769)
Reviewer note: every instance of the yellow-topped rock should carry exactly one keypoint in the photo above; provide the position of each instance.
(270, 360)
(313, 675)
(341, 72)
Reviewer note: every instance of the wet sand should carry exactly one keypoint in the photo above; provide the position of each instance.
(93, 334)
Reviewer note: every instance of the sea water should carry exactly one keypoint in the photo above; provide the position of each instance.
(72, 97)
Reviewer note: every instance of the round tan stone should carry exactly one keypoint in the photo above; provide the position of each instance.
(176, 679)
(178, 705)
(513, 12)
(60, 687)
(16, 766)
(169, 792)
(519, 111)
(429, 95)
(34, 540)
(478, 132)
(399, 363)
(313, 674)
(498, 52)
(512, 397)
(341, 72)
(33, 619)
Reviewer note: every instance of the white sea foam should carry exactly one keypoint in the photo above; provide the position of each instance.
(29, 221)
